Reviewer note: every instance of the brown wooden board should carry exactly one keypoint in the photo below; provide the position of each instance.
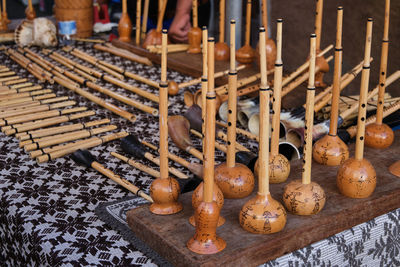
(168, 234)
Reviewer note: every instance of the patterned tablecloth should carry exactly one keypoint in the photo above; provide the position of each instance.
(47, 212)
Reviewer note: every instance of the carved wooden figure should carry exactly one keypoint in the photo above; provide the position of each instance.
(221, 48)
(378, 134)
(234, 179)
(356, 178)
(330, 149)
(125, 24)
(262, 214)
(195, 34)
(304, 197)
(164, 190)
(246, 53)
(205, 239)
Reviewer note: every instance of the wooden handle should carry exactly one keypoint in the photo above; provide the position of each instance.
(195, 16)
(263, 154)
(232, 99)
(309, 118)
(318, 22)
(138, 15)
(337, 73)
(277, 90)
(383, 67)
(362, 106)
(161, 15)
(210, 126)
(248, 23)
(221, 21)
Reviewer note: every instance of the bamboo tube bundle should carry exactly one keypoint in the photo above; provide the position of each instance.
(125, 24)
(23, 127)
(304, 197)
(85, 158)
(164, 190)
(378, 134)
(252, 216)
(330, 149)
(194, 34)
(10, 121)
(234, 179)
(123, 53)
(72, 147)
(154, 36)
(31, 135)
(66, 137)
(205, 239)
(356, 177)
(246, 53)
(137, 165)
(35, 109)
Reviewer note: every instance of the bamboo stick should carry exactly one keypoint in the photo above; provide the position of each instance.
(123, 53)
(15, 81)
(138, 15)
(7, 97)
(137, 165)
(145, 15)
(35, 109)
(26, 99)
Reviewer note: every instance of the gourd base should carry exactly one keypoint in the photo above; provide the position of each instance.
(279, 168)
(323, 68)
(395, 168)
(245, 55)
(165, 193)
(378, 135)
(330, 150)
(221, 51)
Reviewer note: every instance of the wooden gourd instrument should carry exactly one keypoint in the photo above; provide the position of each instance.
(30, 11)
(221, 48)
(279, 166)
(164, 190)
(246, 53)
(270, 45)
(123, 53)
(4, 13)
(262, 214)
(330, 149)
(154, 36)
(234, 179)
(205, 239)
(194, 34)
(125, 24)
(3, 24)
(378, 134)
(356, 177)
(304, 197)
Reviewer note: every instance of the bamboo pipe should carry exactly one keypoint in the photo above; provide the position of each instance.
(72, 147)
(7, 79)
(204, 83)
(18, 128)
(330, 149)
(252, 215)
(154, 36)
(30, 11)
(22, 85)
(32, 135)
(356, 177)
(22, 90)
(172, 48)
(194, 34)
(234, 179)
(318, 22)
(378, 134)
(321, 62)
(4, 98)
(246, 53)
(4, 104)
(124, 53)
(270, 44)
(205, 239)
(138, 16)
(66, 137)
(304, 197)
(7, 73)
(4, 69)
(221, 48)
(137, 165)
(9, 121)
(35, 109)
(124, 24)
(145, 16)
(85, 158)
(29, 103)
(164, 190)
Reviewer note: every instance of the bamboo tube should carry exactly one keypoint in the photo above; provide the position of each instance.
(21, 90)
(145, 15)
(318, 22)
(46, 122)
(31, 103)
(58, 129)
(66, 137)
(204, 82)
(40, 115)
(14, 81)
(21, 95)
(22, 85)
(124, 53)
(91, 142)
(172, 48)
(12, 78)
(138, 15)
(161, 15)
(137, 165)
(232, 101)
(35, 109)
(7, 73)
(99, 41)
(221, 48)
(4, 69)
(217, 75)
(194, 34)
(4, 13)
(25, 99)
(3, 24)
(163, 107)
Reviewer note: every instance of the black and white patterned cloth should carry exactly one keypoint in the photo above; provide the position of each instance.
(47, 212)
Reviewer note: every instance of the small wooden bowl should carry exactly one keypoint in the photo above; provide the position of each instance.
(378, 135)
(330, 150)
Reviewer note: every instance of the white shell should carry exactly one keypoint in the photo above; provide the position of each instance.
(23, 35)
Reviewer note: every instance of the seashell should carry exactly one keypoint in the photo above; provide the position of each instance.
(23, 35)
(44, 32)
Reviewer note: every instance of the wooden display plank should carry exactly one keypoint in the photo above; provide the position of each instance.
(168, 234)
